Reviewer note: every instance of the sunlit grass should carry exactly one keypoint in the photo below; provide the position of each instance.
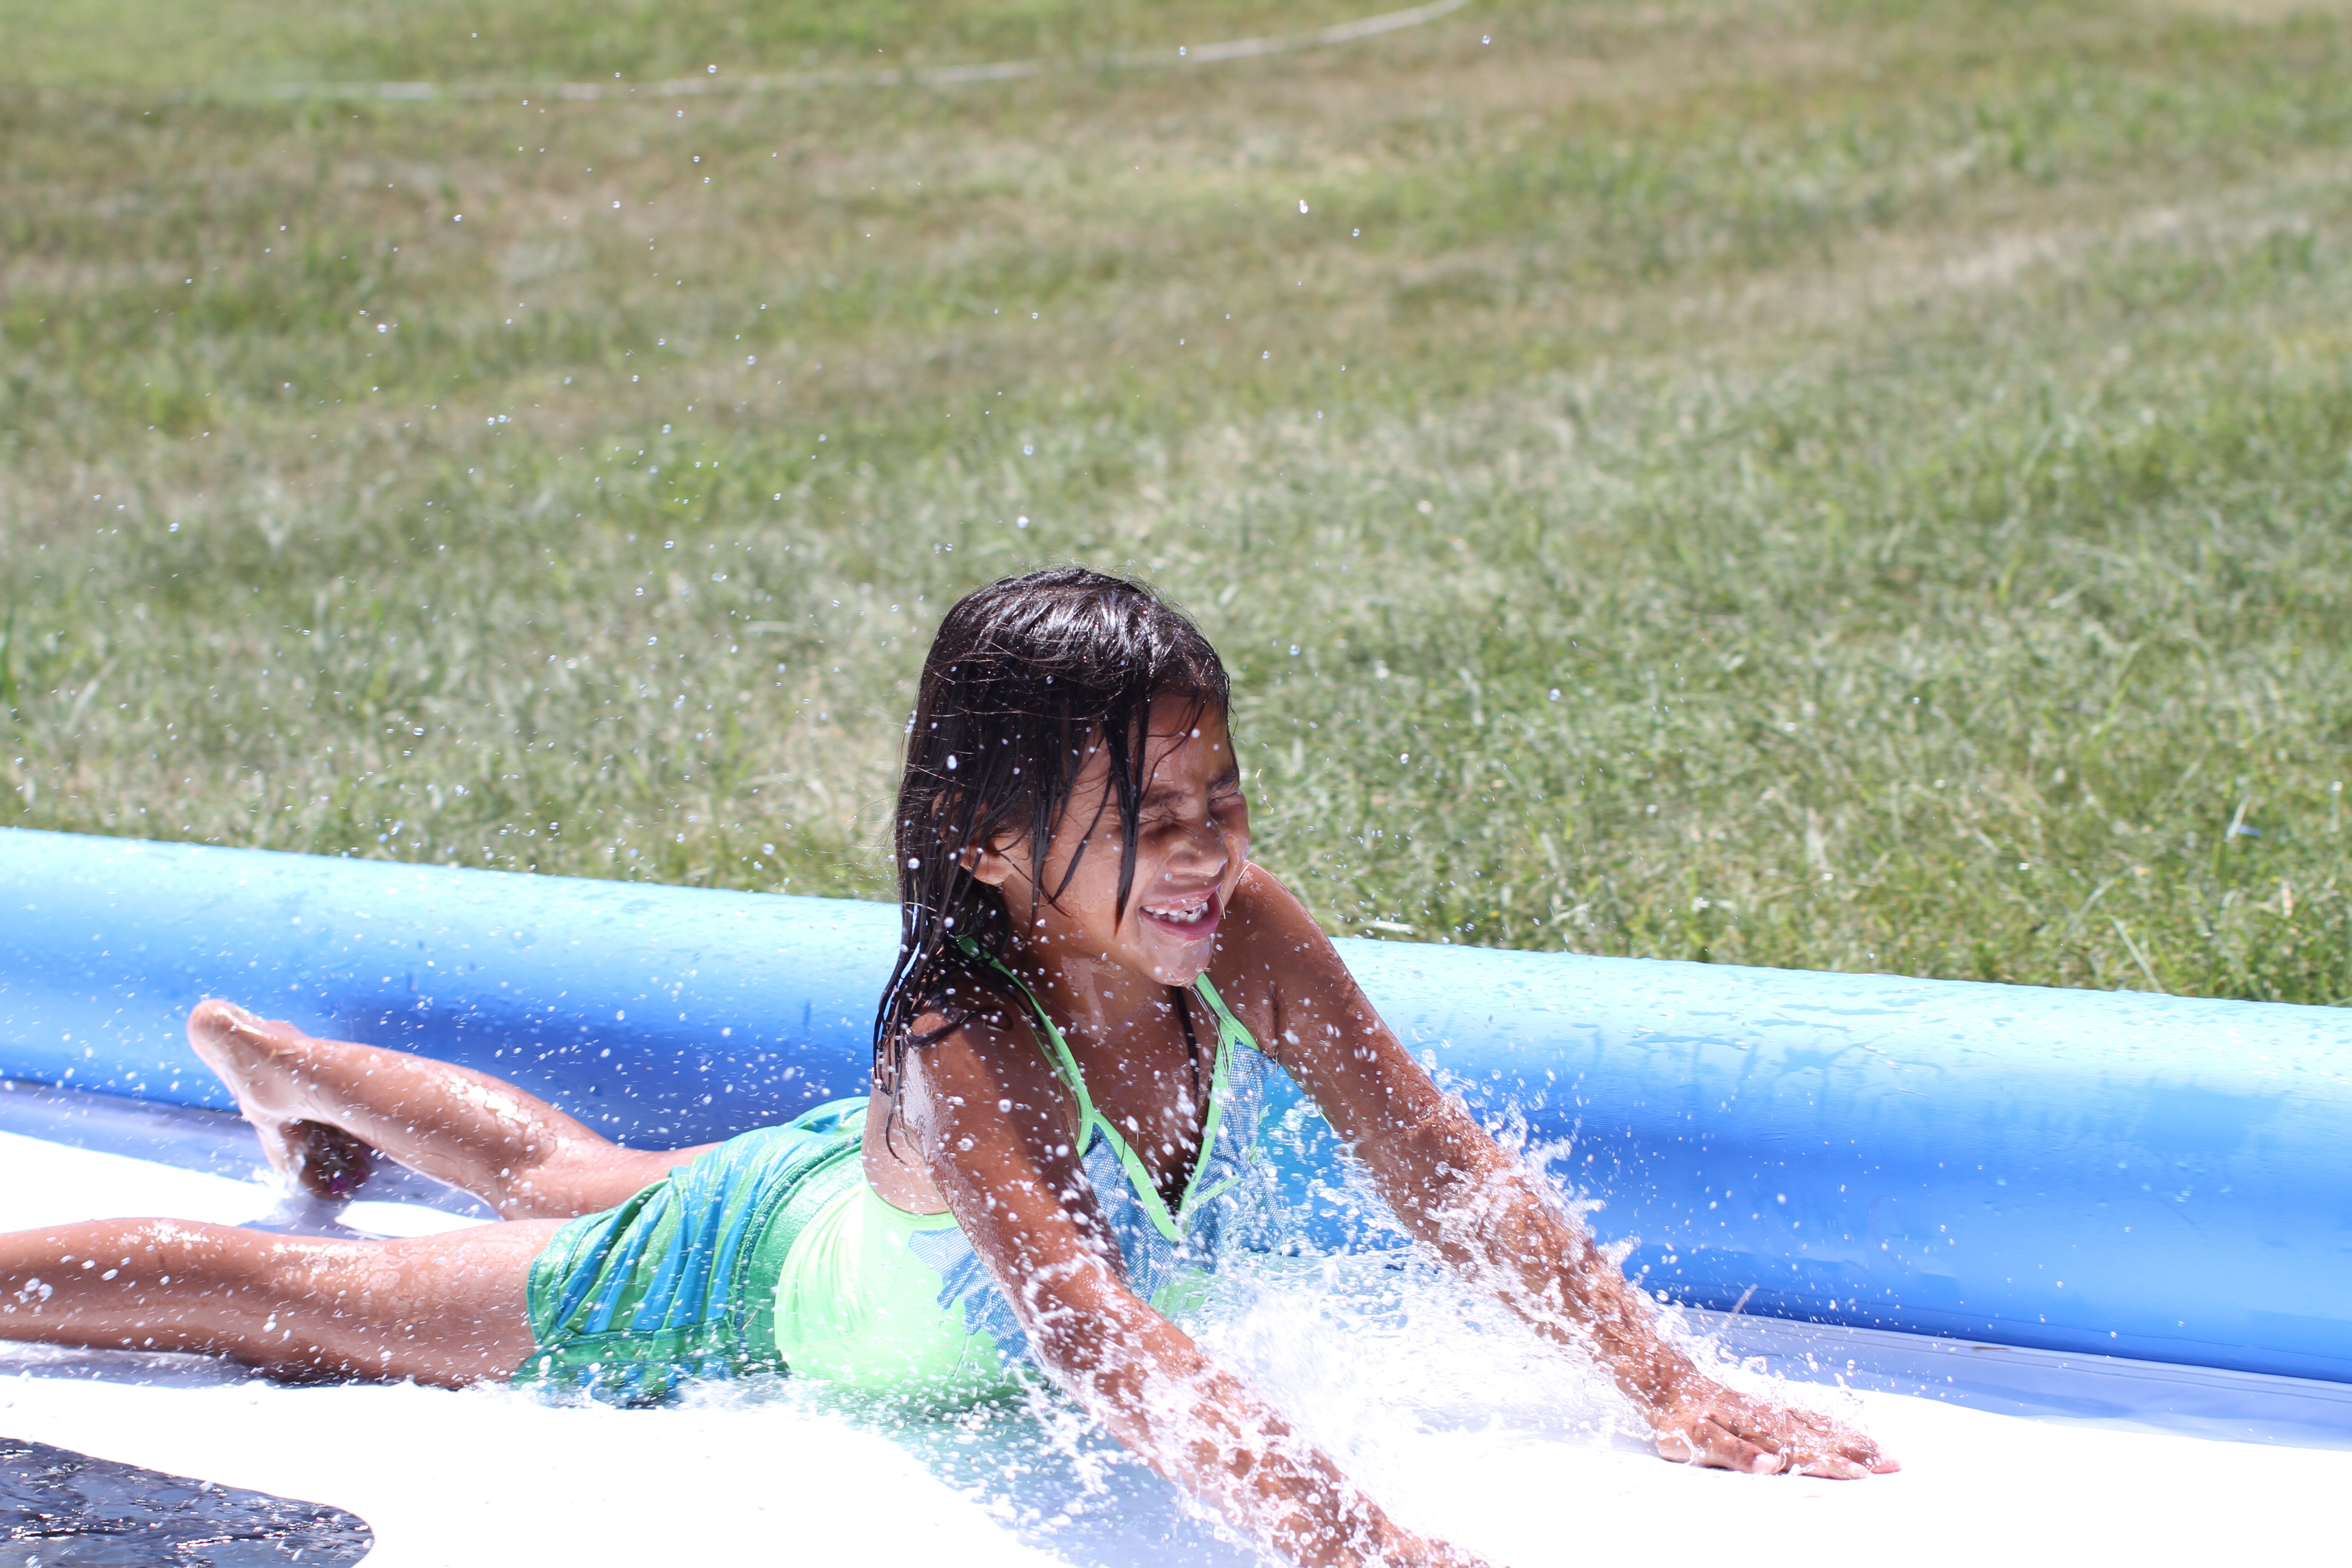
(1830, 486)
(233, 45)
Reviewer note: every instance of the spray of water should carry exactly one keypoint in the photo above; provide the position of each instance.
(1447, 1408)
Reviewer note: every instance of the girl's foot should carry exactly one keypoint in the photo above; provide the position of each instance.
(328, 1161)
(262, 1062)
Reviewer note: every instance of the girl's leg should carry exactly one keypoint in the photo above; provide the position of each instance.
(517, 1152)
(445, 1309)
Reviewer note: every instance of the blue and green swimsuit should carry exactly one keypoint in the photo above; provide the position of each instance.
(771, 1252)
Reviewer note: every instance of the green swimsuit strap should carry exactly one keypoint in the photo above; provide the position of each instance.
(1058, 1049)
(1230, 1031)
(1228, 1026)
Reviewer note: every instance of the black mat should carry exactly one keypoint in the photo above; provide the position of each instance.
(63, 1509)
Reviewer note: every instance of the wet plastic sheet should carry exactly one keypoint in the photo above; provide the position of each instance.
(2014, 1454)
(64, 1509)
(2152, 1177)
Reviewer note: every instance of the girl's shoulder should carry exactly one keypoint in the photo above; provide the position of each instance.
(1272, 960)
(993, 1049)
(1263, 915)
(981, 1093)
(996, 1043)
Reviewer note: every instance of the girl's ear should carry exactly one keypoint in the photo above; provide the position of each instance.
(983, 864)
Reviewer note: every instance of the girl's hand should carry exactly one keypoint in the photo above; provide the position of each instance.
(1702, 1422)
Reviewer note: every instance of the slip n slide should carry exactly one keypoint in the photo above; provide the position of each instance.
(2082, 1260)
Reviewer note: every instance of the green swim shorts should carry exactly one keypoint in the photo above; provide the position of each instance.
(681, 1281)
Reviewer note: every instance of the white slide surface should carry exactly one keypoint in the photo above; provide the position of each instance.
(1454, 1418)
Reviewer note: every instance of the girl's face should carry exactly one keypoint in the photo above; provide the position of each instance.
(1191, 840)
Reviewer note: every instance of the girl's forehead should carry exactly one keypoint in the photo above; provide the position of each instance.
(1178, 727)
(1176, 720)
(1176, 716)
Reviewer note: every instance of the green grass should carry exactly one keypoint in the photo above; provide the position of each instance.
(231, 45)
(1848, 486)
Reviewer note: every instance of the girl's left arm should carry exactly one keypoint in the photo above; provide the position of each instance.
(1460, 1193)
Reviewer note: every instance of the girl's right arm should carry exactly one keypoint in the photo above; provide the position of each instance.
(994, 1126)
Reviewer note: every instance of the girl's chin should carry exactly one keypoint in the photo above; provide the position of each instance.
(1178, 957)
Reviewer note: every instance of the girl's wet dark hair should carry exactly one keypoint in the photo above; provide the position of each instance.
(1023, 678)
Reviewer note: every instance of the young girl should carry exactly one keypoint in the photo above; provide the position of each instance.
(1070, 1062)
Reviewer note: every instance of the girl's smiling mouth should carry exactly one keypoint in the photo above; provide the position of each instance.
(1186, 918)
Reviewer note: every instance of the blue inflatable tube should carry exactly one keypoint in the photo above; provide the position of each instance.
(2117, 1173)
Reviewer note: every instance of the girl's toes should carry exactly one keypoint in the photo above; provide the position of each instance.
(328, 1161)
(215, 1025)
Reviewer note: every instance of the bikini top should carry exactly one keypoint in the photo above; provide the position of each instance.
(1157, 1246)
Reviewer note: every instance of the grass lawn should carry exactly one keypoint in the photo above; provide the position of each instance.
(1852, 486)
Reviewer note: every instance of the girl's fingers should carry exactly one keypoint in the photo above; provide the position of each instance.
(1835, 1451)
(1865, 1451)
(1737, 1434)
(1727, 1450)
(1843, 1442)
(1708, 1442)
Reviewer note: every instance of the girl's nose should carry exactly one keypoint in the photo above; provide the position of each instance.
(1204, 841)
